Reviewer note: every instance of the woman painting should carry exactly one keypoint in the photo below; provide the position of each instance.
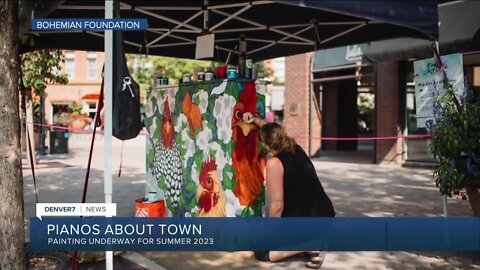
(294, 189)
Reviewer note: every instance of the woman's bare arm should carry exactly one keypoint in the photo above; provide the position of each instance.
(275, 186)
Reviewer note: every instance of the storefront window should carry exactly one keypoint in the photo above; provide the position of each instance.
(414, 149)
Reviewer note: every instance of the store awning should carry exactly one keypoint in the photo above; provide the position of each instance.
(459, 32)
(95, 96)
(338, 58)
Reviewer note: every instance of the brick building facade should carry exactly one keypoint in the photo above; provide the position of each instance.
(84, 79)
(335, 113)
(388, 112)
(297, 102)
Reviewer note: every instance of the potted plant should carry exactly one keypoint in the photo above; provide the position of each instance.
(456, 143)
(73, 118)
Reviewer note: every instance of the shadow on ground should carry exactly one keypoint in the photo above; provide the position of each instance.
(356, 190)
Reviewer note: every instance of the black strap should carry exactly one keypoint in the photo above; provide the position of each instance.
(31, 163)
(440, 63)
(30, 152)
(121, 161)
(98, 123)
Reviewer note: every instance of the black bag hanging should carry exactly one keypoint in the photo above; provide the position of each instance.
(127, 122)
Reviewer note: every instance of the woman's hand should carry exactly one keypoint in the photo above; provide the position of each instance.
(248, 117)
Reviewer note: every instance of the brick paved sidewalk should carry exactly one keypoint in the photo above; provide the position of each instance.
(355, 189)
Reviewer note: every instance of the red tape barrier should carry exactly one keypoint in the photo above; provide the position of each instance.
(78, 130)
(296, 137)
(367, 138)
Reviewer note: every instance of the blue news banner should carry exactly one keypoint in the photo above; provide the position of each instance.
(232, 234)
(92, 24)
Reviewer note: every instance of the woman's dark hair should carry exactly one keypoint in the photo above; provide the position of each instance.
(275, 136)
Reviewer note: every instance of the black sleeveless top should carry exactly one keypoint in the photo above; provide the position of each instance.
(302, 191)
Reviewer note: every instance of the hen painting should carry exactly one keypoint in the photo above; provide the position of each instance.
(167, 165)
(249, 177)
(210, 194)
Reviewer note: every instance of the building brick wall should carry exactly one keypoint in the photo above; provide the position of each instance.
(317, 123)
(297, 103)
(76, 88)
(388, 121)
(330, 109)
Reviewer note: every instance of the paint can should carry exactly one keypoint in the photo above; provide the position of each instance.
(164, 81)
(208, 76)
(201, 76)
(232, 73)
(248, 68)
(152, 196)
(144, 208)
(186, 77)
(221, 72)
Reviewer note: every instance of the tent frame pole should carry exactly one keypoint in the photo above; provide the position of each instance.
(285, 38)
(107, 173)
(444, 197)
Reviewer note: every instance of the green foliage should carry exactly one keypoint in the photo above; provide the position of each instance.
(246, 211)
(145, 67)
(257, 210)
(158, 131)
(211, 125)
(196, 100)
(456, 141)
(262, 71)
(229, 168)
(198, 159)
(36, 112)
(227, 183)
(192, 204)
(150, 156)
(41, 68)
(182, 150)
(161, 184)
(73, 107)
(148, 121)
(191, 187)
(366, 107)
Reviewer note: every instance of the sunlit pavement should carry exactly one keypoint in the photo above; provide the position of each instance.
(356, 189)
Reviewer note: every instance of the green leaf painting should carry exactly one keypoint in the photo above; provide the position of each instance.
(157, 131)
(196, 100)
(191, 187)
(227, 182)
(150, 155)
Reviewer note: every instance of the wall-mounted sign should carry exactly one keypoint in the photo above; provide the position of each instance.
(353, 53)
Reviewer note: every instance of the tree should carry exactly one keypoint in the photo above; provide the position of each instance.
(12, 230)
(41, 68)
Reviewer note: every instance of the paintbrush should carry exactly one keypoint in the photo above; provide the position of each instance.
(229, 55)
